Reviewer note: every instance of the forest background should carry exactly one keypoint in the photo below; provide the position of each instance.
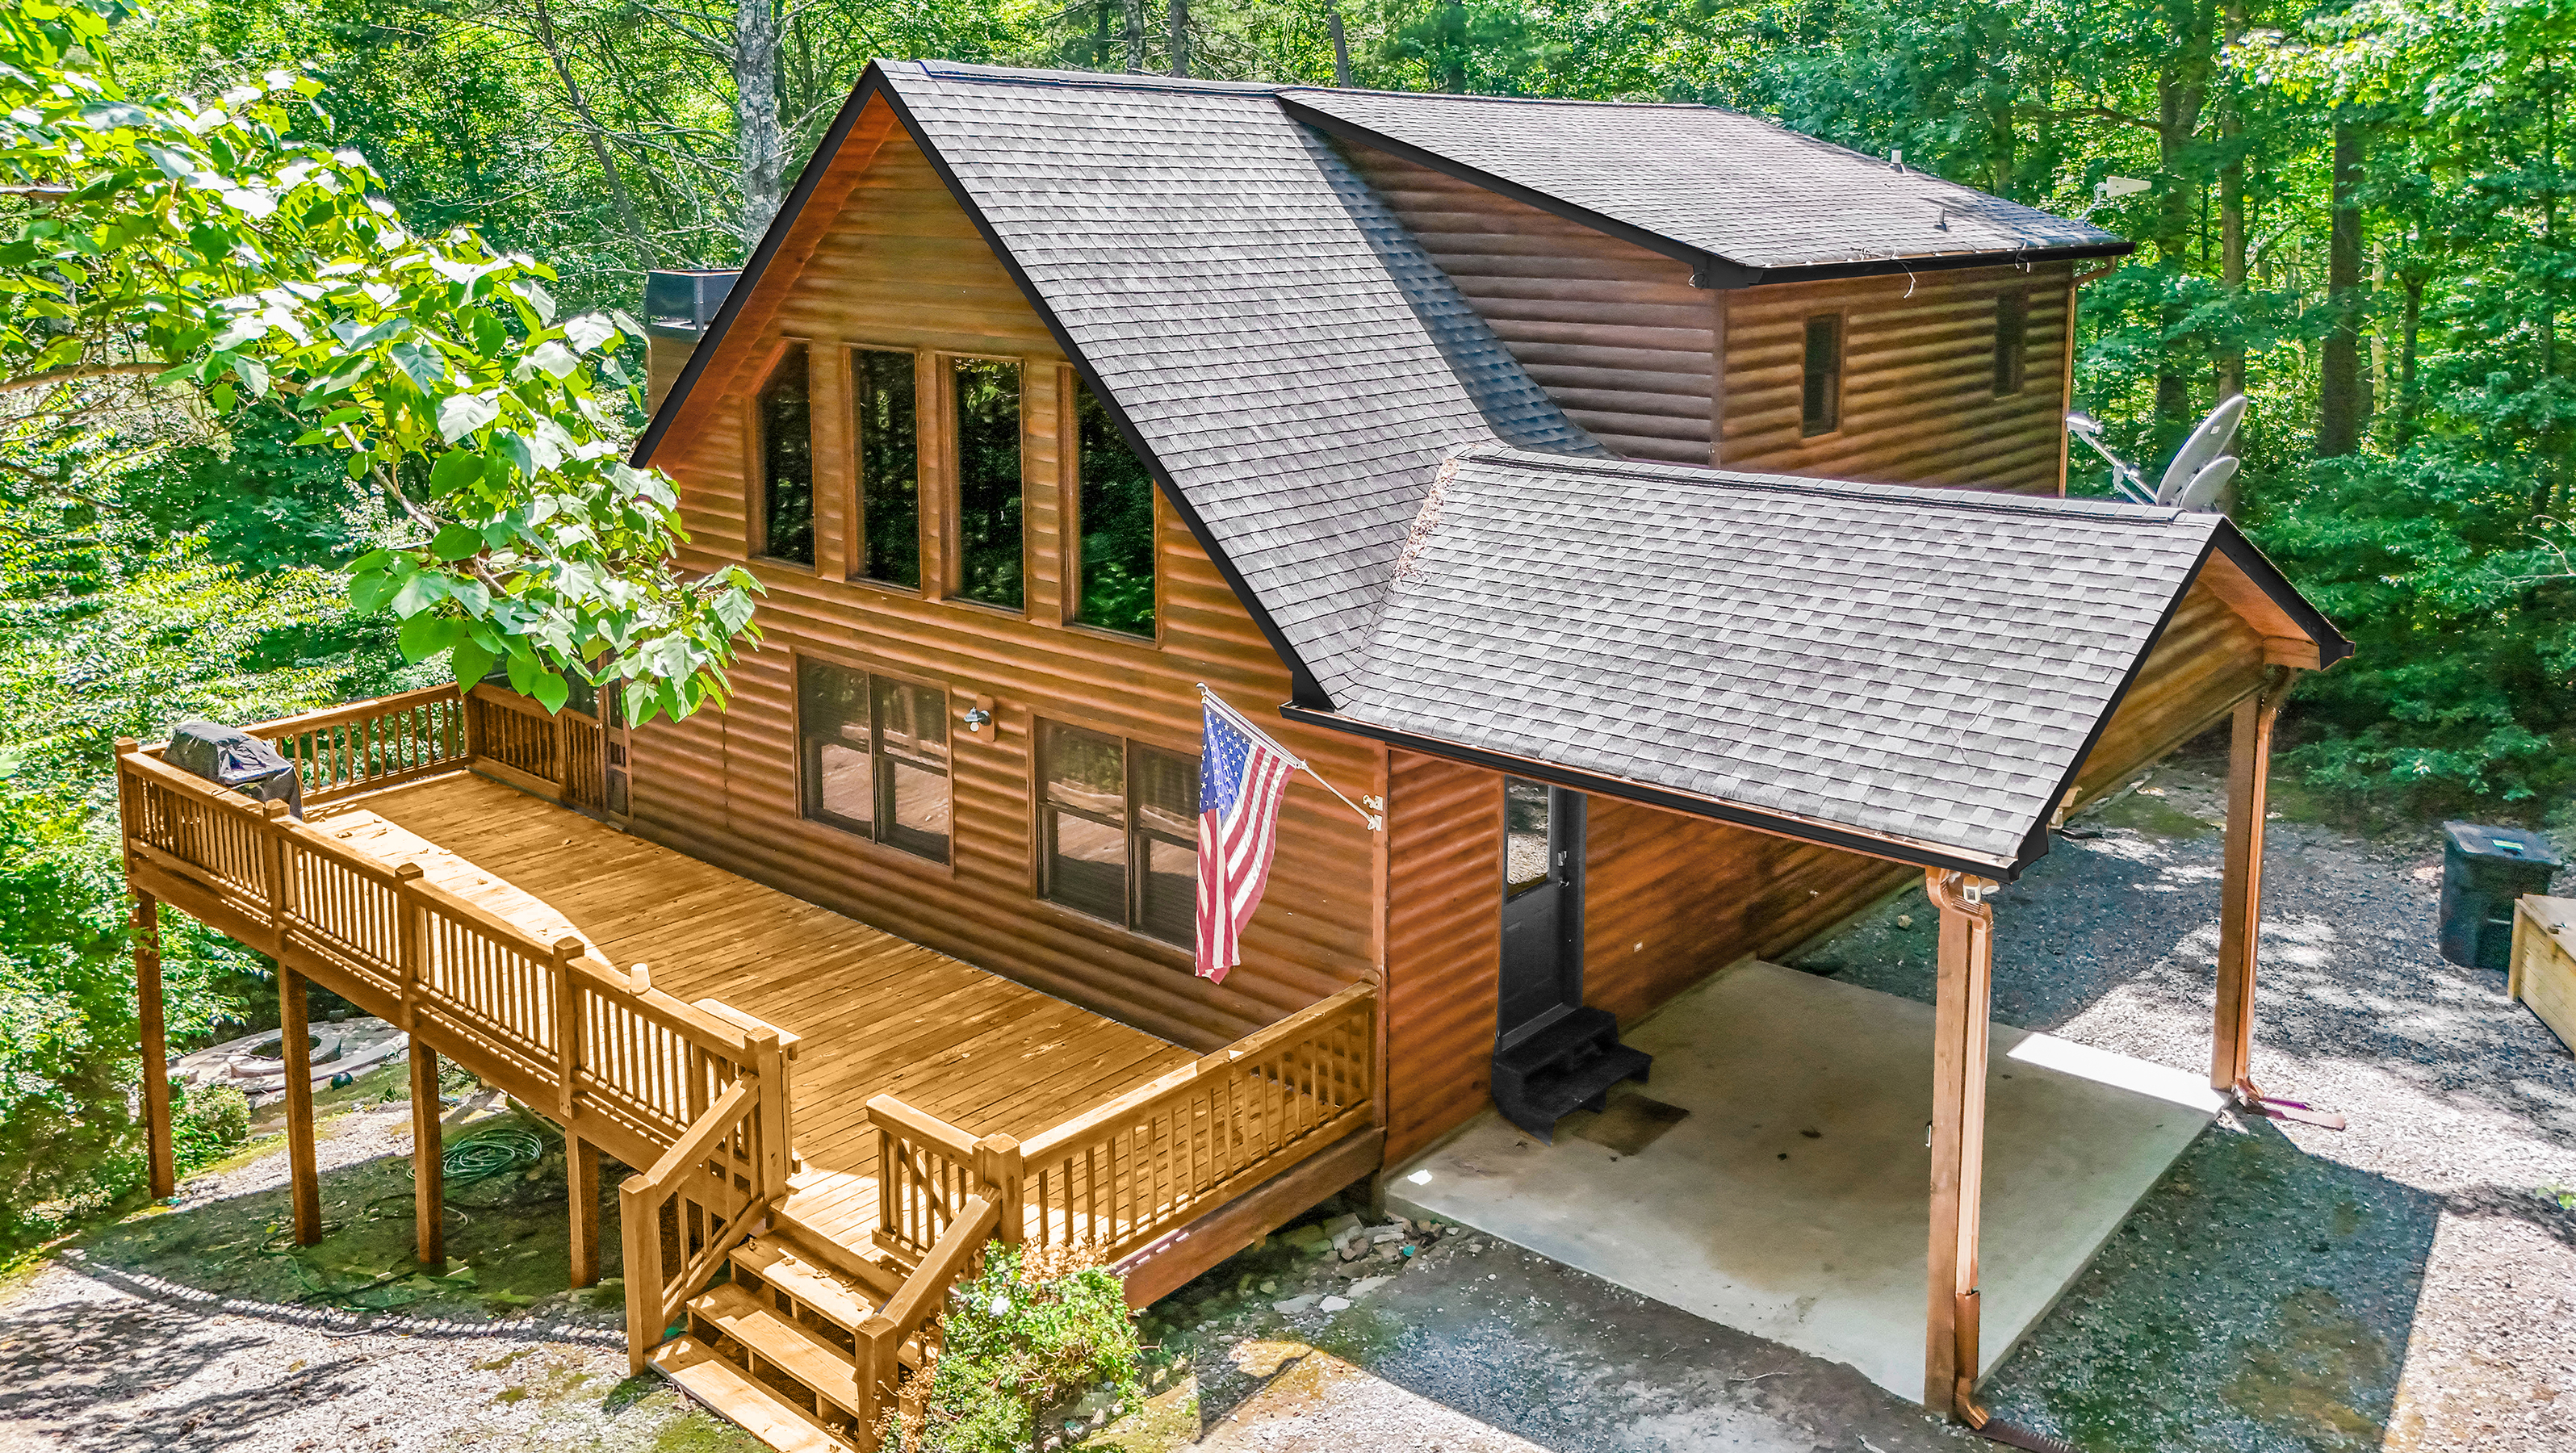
(2352, 215)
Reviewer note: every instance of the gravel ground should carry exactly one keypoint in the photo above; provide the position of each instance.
(172, 1331)
(2284, 1287)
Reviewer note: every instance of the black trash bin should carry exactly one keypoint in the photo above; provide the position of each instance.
(237, 760)
(2483, 870)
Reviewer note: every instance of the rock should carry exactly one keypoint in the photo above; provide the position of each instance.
(1294, 1305)
(1268, 1287)
(1387, 1233)
(1353, 1251)
(1339, 1227)
(1366, 1285)
(1332, 1304)
(1307, 1240)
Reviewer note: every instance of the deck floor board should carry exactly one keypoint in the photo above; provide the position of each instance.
(875, 1014)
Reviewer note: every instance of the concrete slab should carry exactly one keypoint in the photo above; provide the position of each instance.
(1793, 1202)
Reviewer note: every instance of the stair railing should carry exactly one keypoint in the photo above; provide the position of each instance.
(681, 1219)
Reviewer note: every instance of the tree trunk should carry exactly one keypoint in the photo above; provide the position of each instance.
(1341, 46)
(1180, 37)
(758, 138)
(2339, 361)
(2178, 115)
(2406, 398)
(1135, 11)
(1449, 66)
(580, 104)
(2231, 219)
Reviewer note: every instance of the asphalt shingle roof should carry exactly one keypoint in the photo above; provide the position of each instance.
(1732, 186)
(1292, 357)
(1918, 663)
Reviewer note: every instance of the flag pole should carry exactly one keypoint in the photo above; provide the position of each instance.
(1375, 822)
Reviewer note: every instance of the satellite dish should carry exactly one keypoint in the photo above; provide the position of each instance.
(2204, 486)
(2203, 448)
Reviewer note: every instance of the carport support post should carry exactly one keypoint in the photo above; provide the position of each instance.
(293, 1036)
(2240, 895)
(156, 1046)
(1959, 1028)
(428, 1145)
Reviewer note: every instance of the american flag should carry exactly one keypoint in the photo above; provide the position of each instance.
(1241, 776)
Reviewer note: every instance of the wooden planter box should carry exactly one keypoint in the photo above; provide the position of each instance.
(2543, 972)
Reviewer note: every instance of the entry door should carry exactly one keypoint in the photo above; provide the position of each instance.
(1542, 901)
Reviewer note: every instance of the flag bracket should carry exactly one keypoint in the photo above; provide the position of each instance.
(1376, 819)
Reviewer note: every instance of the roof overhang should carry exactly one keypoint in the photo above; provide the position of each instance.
(1708, 270)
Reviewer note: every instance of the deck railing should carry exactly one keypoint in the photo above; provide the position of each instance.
(615, 1061)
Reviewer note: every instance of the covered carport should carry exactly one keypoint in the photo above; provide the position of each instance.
(1879, 682)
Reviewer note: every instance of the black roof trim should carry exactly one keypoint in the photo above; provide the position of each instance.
(1923, 855)
(2332, 644)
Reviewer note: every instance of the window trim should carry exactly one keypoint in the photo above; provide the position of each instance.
(2012, 367)
(1834, 397)
(952, 492)
(755, 497)
(1179, 954)
(878, 847)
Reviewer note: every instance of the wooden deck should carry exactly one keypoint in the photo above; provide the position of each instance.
(875, 1014)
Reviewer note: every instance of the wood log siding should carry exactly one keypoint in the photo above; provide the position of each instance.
(1616, 334)
(1444, 826)
(1918, 399)
(902, 267)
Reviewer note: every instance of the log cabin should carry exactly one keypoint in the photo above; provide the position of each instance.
(1654, 516)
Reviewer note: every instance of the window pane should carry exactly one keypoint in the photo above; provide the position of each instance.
(787, 462)
(912, 752)
(832, 724)
(1525, 809)
(2012, 328)
(1085, 811)
(988, 480)
(1167, 805)
(1117, 527)
(1822, 406)
(889, 466)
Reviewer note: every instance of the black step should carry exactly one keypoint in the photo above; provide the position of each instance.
(1567, 1063)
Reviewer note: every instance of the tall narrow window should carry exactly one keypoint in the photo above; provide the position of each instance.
(988, 480)
(889, 436)
(1118, 831)
(2012, 331)
(836, 732)
(1117, 505)
(786, 422)
(912, 767)
(1821, 411)
(873, 756)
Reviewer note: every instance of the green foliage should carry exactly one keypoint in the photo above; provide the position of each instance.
(1021, 1341)
(207, 1123)
(209, 244)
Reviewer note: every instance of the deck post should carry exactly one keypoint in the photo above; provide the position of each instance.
(998, 1166)
(156, 1045)
(567, 1017)
(769, 1062)
(581, 1188)
(428, 1147)
(2240, 894)
(410, 945)
(1960, 1029)
(292, 1034)
(639, 1231)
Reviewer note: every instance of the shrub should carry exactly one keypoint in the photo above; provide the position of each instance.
(207, 1124)
(1026, 1337)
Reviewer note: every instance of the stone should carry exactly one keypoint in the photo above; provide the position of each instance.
(1294, 1305)
(1268, 1287)
(1366, 1285)
(1341, 1226)
(1332, 1304)
(1387, 1233)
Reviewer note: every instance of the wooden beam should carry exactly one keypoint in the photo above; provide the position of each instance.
(156, 1045)
(428, 1146)
(293, 1034)
(581, 1187)
(2240, 894)
(1960, 1030)
(1166, 1264)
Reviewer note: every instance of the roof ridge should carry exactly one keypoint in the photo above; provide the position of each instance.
(1932, 495)
(947, 70)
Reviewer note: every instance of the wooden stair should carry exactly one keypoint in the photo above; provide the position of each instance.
(774, 1348)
